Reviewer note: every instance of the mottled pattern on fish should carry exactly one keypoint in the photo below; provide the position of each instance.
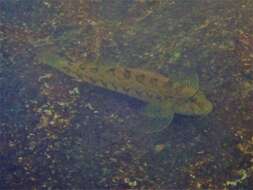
(166, 94)
(141, 84)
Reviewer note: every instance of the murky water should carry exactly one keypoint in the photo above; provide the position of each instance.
(65, 126)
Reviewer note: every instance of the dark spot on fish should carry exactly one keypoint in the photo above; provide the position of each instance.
(94, 69)
(67, 69)
(82, 67)
(112, 70)
(159, 98)
(168, 97)
(126, 73)
(167, 84)
(140, 78)
(154, 81)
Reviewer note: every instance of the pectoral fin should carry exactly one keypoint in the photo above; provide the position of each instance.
(160, 109)
(152, 110)
(158, 117)
(157, 124)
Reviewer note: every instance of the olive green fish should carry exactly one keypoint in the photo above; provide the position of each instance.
(165, 95)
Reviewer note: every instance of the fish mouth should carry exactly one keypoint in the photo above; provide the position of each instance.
(205, 109)
(202, 105)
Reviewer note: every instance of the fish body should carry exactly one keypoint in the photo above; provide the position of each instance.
(164, 95)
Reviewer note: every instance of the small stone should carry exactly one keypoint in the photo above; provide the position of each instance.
(159, 147)
(132, 183)
(74, 91)
(89, 106)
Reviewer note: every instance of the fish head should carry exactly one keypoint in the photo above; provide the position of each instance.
(195, 105)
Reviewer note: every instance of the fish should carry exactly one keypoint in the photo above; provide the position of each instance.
(164, 95)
